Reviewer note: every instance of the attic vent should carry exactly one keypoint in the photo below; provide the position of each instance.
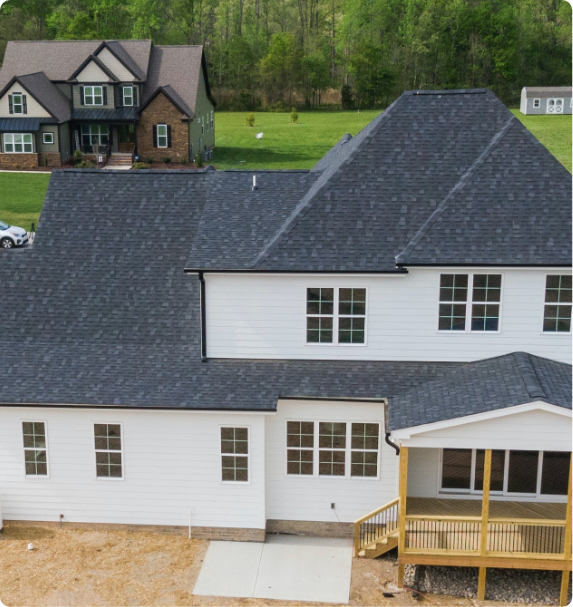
(254, 183)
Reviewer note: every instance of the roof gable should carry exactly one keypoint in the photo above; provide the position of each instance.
(93, 70)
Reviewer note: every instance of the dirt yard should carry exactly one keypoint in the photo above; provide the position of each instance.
(71, 567)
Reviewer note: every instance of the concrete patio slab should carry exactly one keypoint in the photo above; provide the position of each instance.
(288, 568)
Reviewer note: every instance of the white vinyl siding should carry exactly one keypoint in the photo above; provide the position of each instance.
(172, 470)
(254, 316)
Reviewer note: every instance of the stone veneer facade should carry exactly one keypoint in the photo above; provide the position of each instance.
(18, 161)
(162, 111)
(49, 159)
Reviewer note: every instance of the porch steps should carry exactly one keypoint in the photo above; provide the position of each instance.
(119, 161)
(379, 547)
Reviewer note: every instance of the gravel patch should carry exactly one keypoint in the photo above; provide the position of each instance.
(512, 585)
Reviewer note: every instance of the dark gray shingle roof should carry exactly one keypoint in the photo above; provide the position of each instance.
(478, 387)
(99, 310)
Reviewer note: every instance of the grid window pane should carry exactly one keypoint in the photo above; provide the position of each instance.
(522, 475)
(453, 287)
(487, 288)
(555, 473)
(453, 291)
(364, 463)
(35, 454)
(352, 302)
(365, 436)
(107, 440)
(36, 462)
(332, 435)
(300, 461)
(557, 311)
(452, 317)
(485, 317)
(108, 464)
(351, 330)
(234, 454)
(497, 470)
(300, 434)
(320, 301)
(319, 329)
(331, 463)
(456, 468)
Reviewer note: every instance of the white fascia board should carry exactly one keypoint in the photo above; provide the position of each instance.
(539, 405)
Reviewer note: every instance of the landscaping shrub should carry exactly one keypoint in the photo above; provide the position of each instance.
(140, 165)
(198, 161)
(85, 164)
(166, 159)
(250, 119)
(77, 156)
(183, 161)
(148, 160)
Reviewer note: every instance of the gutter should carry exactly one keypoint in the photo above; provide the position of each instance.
(203, 320)
(387, 431)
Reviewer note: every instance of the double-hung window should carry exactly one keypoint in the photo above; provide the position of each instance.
(557, 310)
(512, 472)
(108, 450)
(127, 96)
(536, 103)
(235, 455)
(18, 143)
(18, 103)
(93, 95)
(337, 449)
(335, 316)
(162, 139)
(469, 301)
(35, 448)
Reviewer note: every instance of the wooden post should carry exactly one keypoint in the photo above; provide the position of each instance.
(567, 546)
(484, 521)
(403, 493)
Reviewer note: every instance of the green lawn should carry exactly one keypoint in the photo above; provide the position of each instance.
(21, 198)
(554, 132)
(284, 145)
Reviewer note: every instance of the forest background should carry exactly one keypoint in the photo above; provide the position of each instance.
(349, 54)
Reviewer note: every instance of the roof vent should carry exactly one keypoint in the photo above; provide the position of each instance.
(254, 184)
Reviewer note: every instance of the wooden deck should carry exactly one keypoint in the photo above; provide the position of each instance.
(497, 509)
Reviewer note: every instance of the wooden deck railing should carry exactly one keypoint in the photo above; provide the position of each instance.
(376, 526)
(505, 537)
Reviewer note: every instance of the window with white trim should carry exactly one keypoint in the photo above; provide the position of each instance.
(469, 301)
(127, 96)
(48, 138)
(35, 448)
(328, 444)
(18, 143)
(212, 120)
(557, 310)
(17, 103)
(162, 139)
(107, 438)
(536, 103)
(335, 316)
(512, 472)
(235, 455)
(93, 95)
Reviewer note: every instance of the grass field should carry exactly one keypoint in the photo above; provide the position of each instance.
(284, 146)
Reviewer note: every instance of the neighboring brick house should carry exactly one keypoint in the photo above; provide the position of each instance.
(119, 99)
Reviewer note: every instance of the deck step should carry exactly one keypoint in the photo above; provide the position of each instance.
(379, 547)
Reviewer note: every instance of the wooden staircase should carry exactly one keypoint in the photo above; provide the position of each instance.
(119, 161)
(377, 532)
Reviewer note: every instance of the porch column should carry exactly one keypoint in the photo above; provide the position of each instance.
(403, 493)
(484, 522)
(567, 547)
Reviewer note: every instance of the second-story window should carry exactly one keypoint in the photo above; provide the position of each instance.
(93, 95)
(35, 448)
(557, 311)
(17, 103)
(128, 96)
(469, 301)
(336, 316)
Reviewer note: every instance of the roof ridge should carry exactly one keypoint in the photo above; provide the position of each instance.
(529, 375)
(305, 204)
(402, 257)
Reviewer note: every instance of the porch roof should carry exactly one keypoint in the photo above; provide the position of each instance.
(123, 114)
(23, 125)
(483, 386)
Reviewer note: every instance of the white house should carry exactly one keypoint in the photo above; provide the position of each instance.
(241, 356)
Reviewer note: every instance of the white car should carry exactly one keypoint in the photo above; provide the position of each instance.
(12, 236)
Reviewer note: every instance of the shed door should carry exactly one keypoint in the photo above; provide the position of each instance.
(555, 106)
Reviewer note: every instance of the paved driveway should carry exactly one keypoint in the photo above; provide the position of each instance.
(288, 568)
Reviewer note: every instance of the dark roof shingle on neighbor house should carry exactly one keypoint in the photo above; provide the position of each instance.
(48, 94)
(99, 311)
(482, 386)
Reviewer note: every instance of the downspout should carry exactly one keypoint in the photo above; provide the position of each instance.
(203, 320)
(387, 431)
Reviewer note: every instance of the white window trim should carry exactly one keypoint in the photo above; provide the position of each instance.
(24, 449)
(163, 147)
(122, 437)
(544, 303)
(536, 103)
(213, 120)
(469, 302)
(44, 138)
(504, 493)
(316, 450)
(14, 144)
(93, 94)
(248, 456)
(555, 100)
(20, 105)
(335, 319)
(127, 96)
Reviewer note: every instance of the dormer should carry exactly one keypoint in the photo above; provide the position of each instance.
(93, 70)
(115, 65)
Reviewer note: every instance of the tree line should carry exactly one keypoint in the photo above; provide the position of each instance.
(357, 53)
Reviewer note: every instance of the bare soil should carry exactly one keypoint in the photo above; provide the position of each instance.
(73, 567)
